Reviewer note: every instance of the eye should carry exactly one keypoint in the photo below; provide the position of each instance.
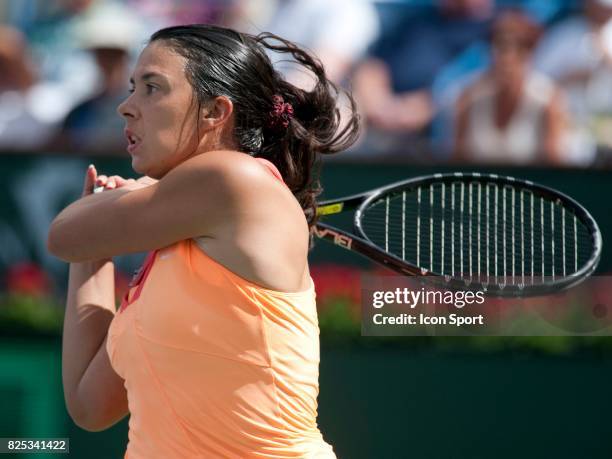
(151, 88)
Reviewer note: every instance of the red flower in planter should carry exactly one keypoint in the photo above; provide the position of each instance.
(337, 281)
(28, 278)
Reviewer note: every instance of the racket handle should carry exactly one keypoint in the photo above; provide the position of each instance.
(98, 189)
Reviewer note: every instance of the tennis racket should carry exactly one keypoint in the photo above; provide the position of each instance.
(501, 235)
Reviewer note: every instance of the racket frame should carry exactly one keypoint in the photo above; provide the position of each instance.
(359, 242)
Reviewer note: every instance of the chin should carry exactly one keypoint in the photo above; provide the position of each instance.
(137, 166)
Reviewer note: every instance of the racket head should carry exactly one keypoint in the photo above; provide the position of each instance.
(540, 205)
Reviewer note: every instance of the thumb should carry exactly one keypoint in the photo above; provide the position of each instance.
(90, 179)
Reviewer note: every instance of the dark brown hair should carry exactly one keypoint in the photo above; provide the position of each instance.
(514, 24)
(224, 62)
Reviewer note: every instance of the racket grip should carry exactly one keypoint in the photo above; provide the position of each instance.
(98, 189)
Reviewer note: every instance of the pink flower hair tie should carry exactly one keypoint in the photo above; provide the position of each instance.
(281, 114)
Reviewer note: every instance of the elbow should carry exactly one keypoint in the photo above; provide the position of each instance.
(85, 419)
(84, 424)
(79, 416)
(88, 425)
(94, 414)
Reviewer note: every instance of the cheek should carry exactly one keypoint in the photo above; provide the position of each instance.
(171, 130)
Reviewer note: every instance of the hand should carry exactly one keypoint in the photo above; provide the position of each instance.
(116, 181)
(93, 180)
(91, 177)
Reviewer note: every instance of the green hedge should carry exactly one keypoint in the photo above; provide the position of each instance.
(26, 315)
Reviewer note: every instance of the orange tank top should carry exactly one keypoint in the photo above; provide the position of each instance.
(216, 366)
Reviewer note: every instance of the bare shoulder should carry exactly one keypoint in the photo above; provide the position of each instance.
(228, 164)
(230, 173)
(260, 217)
(235, 185)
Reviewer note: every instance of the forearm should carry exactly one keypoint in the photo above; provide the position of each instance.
(87, 203)
(95, 199)
(78, 226)
(90, 307)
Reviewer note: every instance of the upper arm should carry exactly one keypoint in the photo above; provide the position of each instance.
(196, 198)
(100, 399)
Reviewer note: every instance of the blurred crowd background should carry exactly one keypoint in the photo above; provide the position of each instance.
(513, 82)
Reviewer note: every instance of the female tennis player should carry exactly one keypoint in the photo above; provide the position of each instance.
(214, 350)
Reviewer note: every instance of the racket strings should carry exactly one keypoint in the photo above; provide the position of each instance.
(519, 239)
(483, 232)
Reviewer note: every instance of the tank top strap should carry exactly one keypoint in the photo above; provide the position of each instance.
(138, 279)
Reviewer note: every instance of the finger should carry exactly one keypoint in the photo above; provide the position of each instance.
(89, 175)
(101, 180)
(90, 178)
(119, 181)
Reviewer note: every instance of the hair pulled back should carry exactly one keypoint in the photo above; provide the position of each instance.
(224, 62)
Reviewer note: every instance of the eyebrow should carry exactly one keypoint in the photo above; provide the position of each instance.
(148, 76)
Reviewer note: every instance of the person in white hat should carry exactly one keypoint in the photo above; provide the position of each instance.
(110, 32)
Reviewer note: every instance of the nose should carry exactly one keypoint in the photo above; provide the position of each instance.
(127, 109)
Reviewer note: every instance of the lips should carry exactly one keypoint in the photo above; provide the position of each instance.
(134, 141)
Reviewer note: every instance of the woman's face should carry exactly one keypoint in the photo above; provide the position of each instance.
(160, 113)
(510, 59)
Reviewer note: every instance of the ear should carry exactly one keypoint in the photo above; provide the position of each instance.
(216, 112)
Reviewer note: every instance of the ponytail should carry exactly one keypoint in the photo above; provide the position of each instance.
(313, 130)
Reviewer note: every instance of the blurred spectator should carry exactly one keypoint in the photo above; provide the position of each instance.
(238, 14)
(577, 53)
(30, 15)
(29, 108)
(338, 32)
(465, 69)
(583, 37)
(17, 68)
(109, 32)
(393, 87)
(48, 26)
(511, 114)
(64, 74)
